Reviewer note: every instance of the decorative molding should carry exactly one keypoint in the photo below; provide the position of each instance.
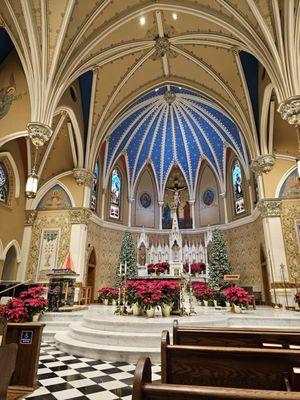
(270, 207)
(80, 216)
(83, 176)
(30, 216)
(39, 133)
(263, 164)
(170, 96)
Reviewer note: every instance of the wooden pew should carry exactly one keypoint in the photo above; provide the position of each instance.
(8, 356)
(249, 368)
(235, 337)
(3, 327)
(144, 389)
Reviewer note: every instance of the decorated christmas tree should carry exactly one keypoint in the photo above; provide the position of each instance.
(219, 264)
(128, 257)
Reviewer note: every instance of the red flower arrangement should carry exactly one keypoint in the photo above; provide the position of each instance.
(108, 293)
(297, 298)
(237, 295)
(151, 293)
(202, 292)
(158, 268)
(22, 308)
(196, 268)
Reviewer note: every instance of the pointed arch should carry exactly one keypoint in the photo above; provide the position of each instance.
(13, 243)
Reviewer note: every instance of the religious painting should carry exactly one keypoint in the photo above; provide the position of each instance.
(115, 194)
(145, 200)
(290, 188)
(176, 199)
(95, 188)
(7, 96)
(237, 186)
(4, 184)
(55, 199)
(208, 197)
(48, 252)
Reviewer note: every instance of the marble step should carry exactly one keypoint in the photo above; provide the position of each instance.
(116, 338)
(103, 352)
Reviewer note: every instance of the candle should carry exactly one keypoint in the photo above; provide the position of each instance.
(120, 268)
(125, 267)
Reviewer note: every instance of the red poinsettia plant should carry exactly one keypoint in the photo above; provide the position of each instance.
(149, 295)
(297, 298)
(202, 292)
(151, 268)
(107, 293)
(158, 268)
(22, 308)
(197, 267)
(237, 295)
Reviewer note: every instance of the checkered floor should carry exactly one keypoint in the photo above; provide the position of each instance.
(62, 377)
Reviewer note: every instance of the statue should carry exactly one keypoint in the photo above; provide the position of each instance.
(176, 195)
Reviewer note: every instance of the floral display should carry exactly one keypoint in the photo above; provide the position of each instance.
(151, 293)
(159, 268)
(237, 295)
(202, 292)
(297, 298)
(108, 293)
(194, 268)
(24, 307)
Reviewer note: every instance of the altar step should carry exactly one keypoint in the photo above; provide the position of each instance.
(59, 321)
(130, 354)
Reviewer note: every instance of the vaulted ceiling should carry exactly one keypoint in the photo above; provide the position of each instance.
(132, 46)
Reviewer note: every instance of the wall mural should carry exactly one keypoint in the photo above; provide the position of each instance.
(55, 199)
(208, 197)
(48, 252)
(7, 96)
(290, 188)
(176, 194)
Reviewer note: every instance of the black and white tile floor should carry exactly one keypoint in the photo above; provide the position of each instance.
(62, 376)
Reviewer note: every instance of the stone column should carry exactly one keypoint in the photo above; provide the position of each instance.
(270, 210)
(84, 177)
(30, 216)
(130, 201)
(223, 197)
(79, 219)
(250, 195)
(160, 204)
(192, 204)
(103, 203)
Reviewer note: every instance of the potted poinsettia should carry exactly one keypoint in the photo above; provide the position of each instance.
(104, 295)
(169, 294)
(149, 298)
(34, 301)
(151, 269)
(238, 297)
(202, 293)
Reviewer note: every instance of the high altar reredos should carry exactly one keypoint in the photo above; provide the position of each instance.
(176, 250)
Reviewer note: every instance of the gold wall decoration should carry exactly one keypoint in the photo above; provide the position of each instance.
(290, 229)
(30, 216)
(270, 207)
(80, 215)
(7, 96)
(47, 220)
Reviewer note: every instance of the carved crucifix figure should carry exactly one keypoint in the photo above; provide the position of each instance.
(176, 195)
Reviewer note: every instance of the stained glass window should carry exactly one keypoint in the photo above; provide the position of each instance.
(3, 184)
(237, 185)
(95, 188)
(115, 194)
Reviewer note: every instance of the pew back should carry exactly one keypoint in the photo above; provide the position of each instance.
(8, 355)
(143, 389)
(265, 369)
(236, 337)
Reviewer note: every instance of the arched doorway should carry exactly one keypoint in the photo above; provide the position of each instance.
(10, 267)
(91, 274)
(265, 277)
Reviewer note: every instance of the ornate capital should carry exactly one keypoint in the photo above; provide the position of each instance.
(30, 216)
(223, 195)
(39, 133)
(269, 207)
(290, 110)
(160, 203)
(83, 176)
(80, 215)
(263, 164)
(162, 47)
(131, 200)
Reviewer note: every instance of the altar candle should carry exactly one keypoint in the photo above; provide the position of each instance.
(125, 267)
(120, 269)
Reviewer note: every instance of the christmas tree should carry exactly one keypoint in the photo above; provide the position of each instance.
(128, 257)
(219, 264)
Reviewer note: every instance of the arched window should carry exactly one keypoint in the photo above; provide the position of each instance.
(237, 187)
(95, 188)
(115, 194)
(4, 184)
